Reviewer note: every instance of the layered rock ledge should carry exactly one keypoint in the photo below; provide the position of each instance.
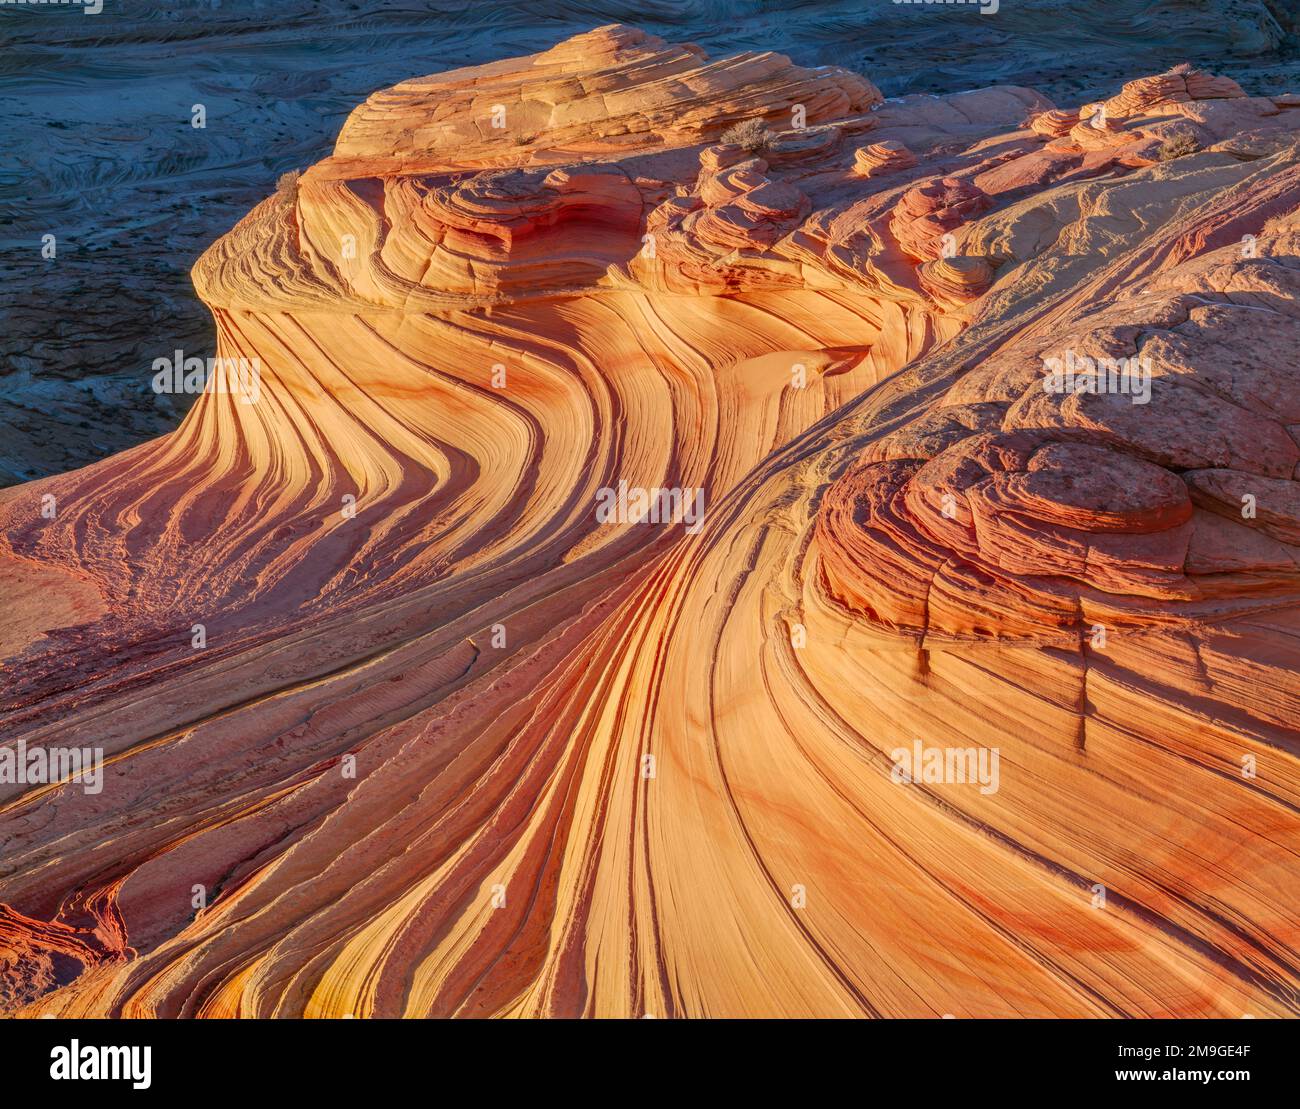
(396, 723)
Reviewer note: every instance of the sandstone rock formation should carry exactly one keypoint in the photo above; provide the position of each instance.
(395, 723)
(880, 158)
(929, 213)
(1183, 84)
(134, 193)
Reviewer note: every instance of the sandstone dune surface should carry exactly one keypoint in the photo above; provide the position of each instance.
(456, 745)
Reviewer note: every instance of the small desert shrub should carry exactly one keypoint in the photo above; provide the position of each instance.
(287, 183)
(1177, 146)
(751, 135)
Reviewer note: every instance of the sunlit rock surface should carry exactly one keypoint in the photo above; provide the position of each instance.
(457, 745)
(101, 151)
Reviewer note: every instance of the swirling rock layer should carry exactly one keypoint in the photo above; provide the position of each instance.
(396, 723)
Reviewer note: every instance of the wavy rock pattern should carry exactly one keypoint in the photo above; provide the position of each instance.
(134, 193)
(880, 158)
(456, 747)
